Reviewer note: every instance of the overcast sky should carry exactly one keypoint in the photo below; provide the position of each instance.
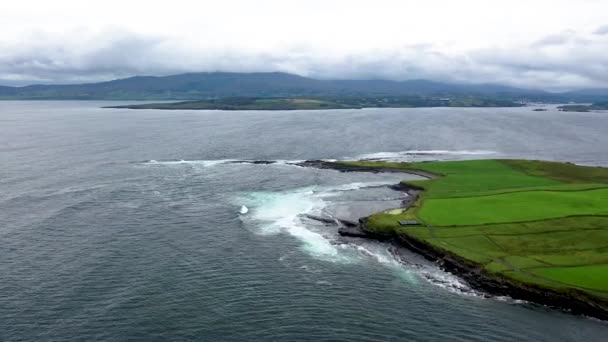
(550, 44)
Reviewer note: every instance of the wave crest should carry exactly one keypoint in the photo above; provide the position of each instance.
(410, 155)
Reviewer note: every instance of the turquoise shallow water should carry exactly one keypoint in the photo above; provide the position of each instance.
(123, 225)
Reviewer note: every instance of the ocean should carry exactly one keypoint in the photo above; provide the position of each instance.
(125, 225)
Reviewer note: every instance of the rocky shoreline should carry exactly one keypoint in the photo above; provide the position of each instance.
(573, 300)
(324, 164)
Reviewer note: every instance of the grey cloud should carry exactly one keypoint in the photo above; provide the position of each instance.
(573, 62)
(561, 61)
(106, 56)
(555, 39)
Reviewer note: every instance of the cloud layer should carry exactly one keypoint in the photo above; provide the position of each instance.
(78, 52)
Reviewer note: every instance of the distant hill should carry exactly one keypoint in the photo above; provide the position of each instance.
(590, 93)
(196, 86)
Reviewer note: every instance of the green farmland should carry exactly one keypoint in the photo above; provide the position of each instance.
(533, 222)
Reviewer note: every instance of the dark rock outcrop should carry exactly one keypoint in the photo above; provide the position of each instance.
(353, 231)
(256, 162)
(323, 164)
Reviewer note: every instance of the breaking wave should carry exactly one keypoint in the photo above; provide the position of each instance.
(413, 155)
(405, 156)
(448, 281)
(282, 212)
(204, 163)
(274, 213)
(214, 162)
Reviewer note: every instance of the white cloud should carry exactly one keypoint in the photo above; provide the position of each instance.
(553, 44)
(602, 30)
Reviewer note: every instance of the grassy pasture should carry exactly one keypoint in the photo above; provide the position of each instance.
(592, 277)
(514, 207)
(564, 172)
(477, 176)
(536, 222)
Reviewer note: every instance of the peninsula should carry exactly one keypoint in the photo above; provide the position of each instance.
(351, 102)
(533, 230)
(584, 108)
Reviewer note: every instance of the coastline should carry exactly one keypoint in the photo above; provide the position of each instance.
(342, 167)
(322, 103)
(573, 300)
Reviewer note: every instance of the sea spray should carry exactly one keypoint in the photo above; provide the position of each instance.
(284, 212)
(277, 212)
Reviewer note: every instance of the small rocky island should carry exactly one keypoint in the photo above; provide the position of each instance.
(532, 230)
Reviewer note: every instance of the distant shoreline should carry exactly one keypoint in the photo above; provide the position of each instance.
(584, 108)
(313, 103)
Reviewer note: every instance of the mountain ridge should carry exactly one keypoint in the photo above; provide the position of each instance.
(205, 85)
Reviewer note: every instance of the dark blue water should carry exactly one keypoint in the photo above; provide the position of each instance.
(121, 225)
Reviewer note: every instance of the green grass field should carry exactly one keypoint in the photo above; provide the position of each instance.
(513, 207)
(544, 223)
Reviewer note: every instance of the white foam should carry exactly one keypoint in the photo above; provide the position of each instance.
(407, 155)
(288, 162)
(360, 185)
(416, 154)
(281, 212)
(324, 282)
(383, 258)
(510, 300)
(204, 163)
(214, 162)
(447, 281)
